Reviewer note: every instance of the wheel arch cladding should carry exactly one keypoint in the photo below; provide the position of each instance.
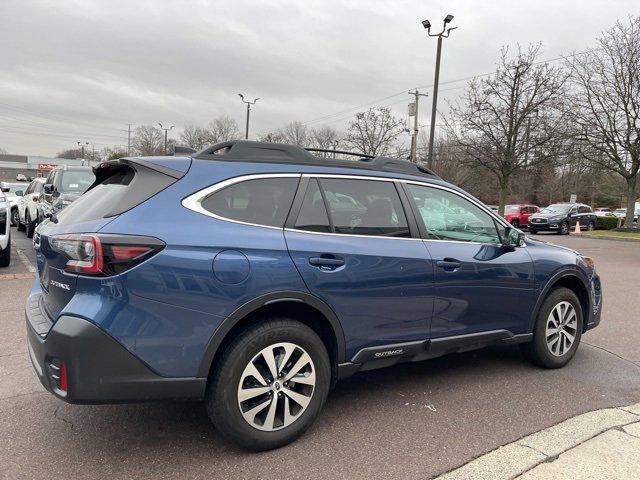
(302, 307)
(575, 281)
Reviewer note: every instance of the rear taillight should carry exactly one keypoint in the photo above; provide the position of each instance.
(104, 255)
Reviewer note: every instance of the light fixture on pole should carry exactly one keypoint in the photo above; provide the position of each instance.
(249, 103)
(443, 34)
(166, 130)
(81, 145)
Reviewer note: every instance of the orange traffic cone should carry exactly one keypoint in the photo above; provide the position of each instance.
(577, 230)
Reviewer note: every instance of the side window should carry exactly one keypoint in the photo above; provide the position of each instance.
(313, 214)
(448, 216)
(364, 207)
(584, 209)
(262, 201)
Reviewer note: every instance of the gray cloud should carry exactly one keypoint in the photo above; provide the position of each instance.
(82, 70)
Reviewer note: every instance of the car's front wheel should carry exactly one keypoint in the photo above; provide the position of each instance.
(591, 226)
(564, 228)
(30, 226)
(269, 385)
(557, 331)
(15, 218)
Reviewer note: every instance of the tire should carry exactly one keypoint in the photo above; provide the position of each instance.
(564, 228)
(5, 255)
(591, 226)
(532, 231)
(515, 224)
(544, 350)
(29, 225)
(250, 348)
(15, 218)
(20, 226)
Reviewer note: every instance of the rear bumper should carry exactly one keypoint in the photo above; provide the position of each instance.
(98, 368)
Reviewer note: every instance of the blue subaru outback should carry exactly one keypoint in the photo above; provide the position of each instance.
(254, 276)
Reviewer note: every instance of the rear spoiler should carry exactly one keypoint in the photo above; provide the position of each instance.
(104, 170)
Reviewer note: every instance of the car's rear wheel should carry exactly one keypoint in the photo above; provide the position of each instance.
(29, 225)
(515, 223)
(269, 385)
(557, 331)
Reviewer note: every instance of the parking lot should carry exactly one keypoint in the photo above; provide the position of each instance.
(412, 421)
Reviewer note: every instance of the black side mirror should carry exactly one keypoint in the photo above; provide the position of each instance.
(48, 188)
(512, 238)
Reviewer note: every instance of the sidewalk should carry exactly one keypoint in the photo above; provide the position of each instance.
(603, 444)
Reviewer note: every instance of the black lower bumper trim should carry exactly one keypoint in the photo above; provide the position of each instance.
(99, 369)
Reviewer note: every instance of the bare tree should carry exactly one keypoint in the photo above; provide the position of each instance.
(275, 136)
(195, 137)
(374, 132)
(325, 138)
(148, 140)
(503, 119)
(606, 104)
(296, 133)
(3, 151)
(223, 129)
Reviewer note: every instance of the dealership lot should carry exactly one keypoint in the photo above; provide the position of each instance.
(411, 421)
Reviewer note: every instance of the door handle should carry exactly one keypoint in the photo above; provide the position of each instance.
(326, 262)
(449, 264)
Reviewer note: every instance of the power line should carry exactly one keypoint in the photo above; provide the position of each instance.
(403, 92)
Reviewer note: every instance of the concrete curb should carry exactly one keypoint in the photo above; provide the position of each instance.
(514, 459)
(613, 239)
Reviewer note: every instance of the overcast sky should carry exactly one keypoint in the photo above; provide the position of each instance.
(84, 69)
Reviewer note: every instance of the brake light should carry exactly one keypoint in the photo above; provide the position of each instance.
(84, 252)
(104, 255)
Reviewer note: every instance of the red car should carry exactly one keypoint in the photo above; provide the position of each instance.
(518, 215)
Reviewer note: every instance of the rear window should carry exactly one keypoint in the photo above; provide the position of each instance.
(261, 201)
(122, 188)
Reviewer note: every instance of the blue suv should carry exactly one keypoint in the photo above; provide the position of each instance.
(254, 276)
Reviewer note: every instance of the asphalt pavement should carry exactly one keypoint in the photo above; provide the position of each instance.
(410, 421)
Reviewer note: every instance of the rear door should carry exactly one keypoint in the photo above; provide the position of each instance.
(352, 242)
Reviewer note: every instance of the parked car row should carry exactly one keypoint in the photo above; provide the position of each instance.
(31, 203)
(558, 217)
(5, 231)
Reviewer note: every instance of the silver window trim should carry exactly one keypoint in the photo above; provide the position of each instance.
(194, 202)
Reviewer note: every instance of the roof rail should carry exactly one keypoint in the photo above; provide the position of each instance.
(245, 150)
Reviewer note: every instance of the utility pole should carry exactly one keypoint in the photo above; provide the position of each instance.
(246, 131)
(166, 130)
(443, 34)
(129, 140)
(414, 135)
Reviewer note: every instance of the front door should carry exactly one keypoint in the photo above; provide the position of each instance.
(480, 285)
(354, 249)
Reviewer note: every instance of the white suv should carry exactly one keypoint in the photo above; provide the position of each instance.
(5, 231)
(28, 206)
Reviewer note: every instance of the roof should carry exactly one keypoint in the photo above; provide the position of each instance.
(250, 151)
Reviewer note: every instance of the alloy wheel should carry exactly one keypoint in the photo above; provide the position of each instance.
(561, 328)
(15, 219)
(276, 386)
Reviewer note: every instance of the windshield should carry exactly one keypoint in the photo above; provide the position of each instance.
(76, 181)
(511, 208)
(559, 208)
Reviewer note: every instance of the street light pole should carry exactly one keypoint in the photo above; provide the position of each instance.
(246, 131)
(443, 34)
(166, 131)
(81, 145)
